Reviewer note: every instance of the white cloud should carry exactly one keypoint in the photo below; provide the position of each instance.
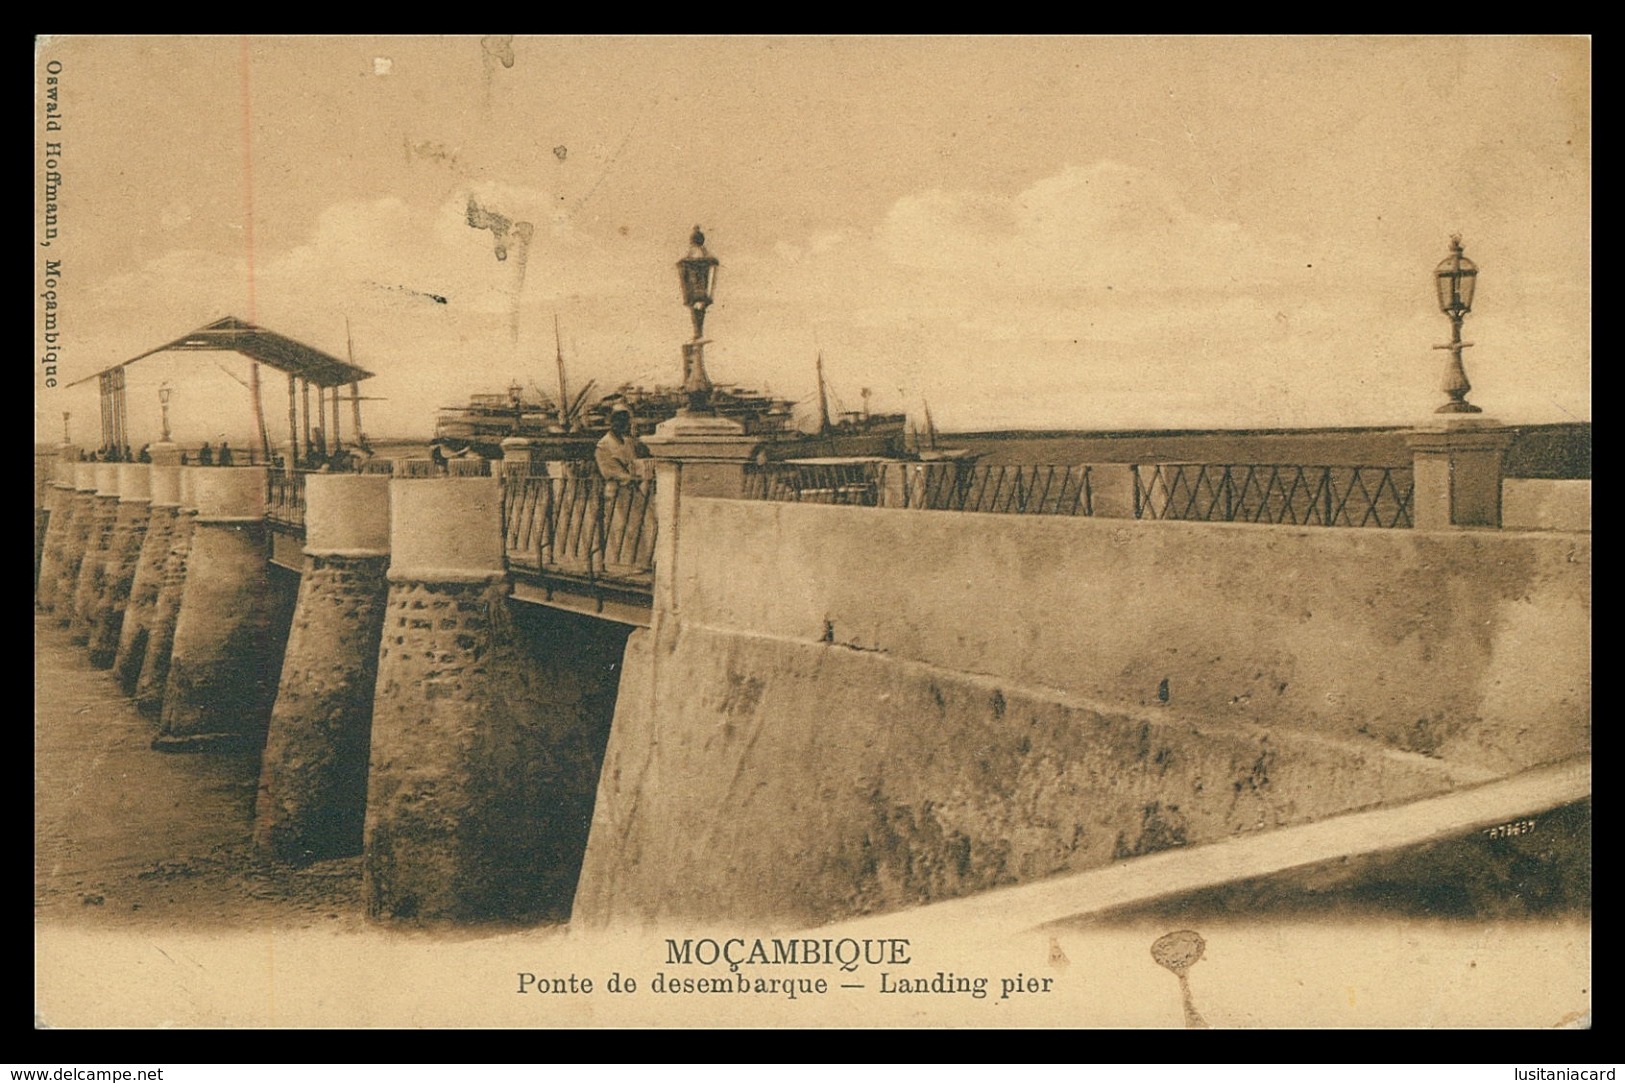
(1093, 297)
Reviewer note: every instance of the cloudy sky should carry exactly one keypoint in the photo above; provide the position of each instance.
(1055, 232)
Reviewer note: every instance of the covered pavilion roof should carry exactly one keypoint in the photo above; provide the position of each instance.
(267, 347)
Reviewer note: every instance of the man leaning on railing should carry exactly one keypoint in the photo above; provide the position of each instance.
(618, 452)
(620, 457)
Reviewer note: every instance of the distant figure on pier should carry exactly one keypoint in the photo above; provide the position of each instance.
(225, 453)
(437, 456)
(205, 454)
(129, 456)
(619, 450)
(146, 454)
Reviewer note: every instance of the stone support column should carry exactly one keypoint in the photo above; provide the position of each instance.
(1457, 471)
(77, 543)
(58, 530)
(456, 794)
(98, 539)
(135, 630)
(226, 656)
(154, 677)
(123, 554)
(313, 783)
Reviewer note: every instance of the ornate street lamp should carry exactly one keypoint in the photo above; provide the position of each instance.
(1455, 278)
(697, 272)
(164, 391)
(66, 439)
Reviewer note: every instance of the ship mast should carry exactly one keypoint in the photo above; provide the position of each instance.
(355, 387)
(564, 396)
(930, 426)
(823, 398)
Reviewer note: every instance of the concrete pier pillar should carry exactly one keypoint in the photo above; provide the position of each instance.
(57, 531)
(519, 457)
(164, 479)
(49, 501)
(123, 553)
(313, 782)
(694, 456)
(98, 538)
(457, 787)
(226, 656)
(154, 676)
(77, 543)
(1457, 471)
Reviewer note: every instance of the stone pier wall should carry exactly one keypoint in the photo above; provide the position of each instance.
(845, 710)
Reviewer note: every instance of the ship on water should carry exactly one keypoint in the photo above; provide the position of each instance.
(571, 433)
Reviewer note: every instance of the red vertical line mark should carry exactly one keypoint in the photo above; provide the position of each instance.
(248, 177)
(263, 437)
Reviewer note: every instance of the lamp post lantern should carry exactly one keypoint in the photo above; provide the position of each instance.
(164, 391)
(697, 272)
(66, 439)
(1454, 279)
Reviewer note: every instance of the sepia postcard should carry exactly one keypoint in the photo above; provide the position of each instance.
(858, 531)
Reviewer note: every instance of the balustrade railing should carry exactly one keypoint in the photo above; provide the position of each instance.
(1006, 489)
(1277, 494)
(285, 498)
(815, 483)
(586, 527)
(936, 486)
(1359, 496)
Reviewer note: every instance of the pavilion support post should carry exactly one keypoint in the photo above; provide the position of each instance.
(304, 392)
(261, 433)
(293, 421)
